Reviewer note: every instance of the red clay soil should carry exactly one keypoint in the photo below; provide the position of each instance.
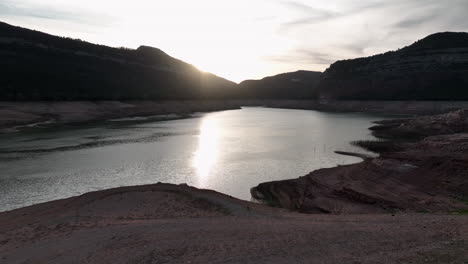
(180, 224)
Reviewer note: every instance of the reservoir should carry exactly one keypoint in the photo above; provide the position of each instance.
(228, 151)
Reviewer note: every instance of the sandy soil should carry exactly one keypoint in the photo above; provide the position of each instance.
(179, 224)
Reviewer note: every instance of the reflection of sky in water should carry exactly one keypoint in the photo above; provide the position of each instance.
(229, 152)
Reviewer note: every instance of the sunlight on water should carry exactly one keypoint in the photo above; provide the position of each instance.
(207, 151)
(230, 152)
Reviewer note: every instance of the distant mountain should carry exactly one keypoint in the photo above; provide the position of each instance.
(39, 66)
(434, 68)
(293, 85)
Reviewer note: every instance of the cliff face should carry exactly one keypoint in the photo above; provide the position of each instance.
(434, 68)
(38, 66)
(293, 85)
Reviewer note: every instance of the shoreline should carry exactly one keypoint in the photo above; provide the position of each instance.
(421, 168)
(392, 158)
(403, 108)
(15, 116)
(354, 154)
(166, 223)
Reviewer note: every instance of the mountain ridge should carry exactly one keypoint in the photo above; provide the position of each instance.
(40, 66)
(433, 68)
(291, 85)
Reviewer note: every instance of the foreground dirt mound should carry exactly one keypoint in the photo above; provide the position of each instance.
(429, 175)
(180, 224)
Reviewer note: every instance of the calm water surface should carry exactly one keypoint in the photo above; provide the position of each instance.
(228, 151)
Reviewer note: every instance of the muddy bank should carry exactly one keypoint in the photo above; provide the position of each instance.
(13, 115)
(427, 172)
(375, 107)
(179, 224)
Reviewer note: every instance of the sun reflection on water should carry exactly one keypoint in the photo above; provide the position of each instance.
(207, 152)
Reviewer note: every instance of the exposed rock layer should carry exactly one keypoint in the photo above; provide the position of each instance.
(430, 174)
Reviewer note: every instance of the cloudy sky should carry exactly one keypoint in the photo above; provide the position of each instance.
(244, 39)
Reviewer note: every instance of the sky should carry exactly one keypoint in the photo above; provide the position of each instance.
(245, 39)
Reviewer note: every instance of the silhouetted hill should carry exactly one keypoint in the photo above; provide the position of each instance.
(293, 85)
(434, 68)
(39, 66)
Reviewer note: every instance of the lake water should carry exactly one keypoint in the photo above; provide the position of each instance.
(229, 151)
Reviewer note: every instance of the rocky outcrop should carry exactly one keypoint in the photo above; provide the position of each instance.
(434, 68)
(429, 175)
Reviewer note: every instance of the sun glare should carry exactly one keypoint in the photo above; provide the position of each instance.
(206, 155)
(228, 39)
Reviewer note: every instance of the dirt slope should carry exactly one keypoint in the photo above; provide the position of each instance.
(179, 224)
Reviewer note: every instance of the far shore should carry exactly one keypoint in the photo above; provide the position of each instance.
(17, 115)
